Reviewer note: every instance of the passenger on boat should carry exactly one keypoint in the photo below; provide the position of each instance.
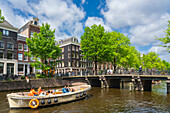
(68, 89)
(50, 92)
(32, 92)
(40, 90)
(42, 94)
(72, 90)
(64, 89)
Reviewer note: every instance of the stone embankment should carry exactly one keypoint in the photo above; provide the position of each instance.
(43, 82)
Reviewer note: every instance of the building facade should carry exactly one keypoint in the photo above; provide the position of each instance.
(26, 31)
(72, 60)
(8, 49)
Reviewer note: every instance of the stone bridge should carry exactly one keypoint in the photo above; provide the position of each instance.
(138, 82)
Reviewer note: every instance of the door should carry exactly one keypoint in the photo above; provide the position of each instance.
(10, 68)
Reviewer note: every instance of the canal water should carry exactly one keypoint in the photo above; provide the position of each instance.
(107, 101)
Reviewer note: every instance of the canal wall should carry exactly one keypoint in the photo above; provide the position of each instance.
(43, 82)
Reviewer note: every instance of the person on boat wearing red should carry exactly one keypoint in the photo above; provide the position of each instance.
(40, 90)
(32, 92)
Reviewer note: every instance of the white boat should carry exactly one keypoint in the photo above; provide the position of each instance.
(22, 100)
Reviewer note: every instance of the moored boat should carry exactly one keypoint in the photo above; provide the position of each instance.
(22, 100)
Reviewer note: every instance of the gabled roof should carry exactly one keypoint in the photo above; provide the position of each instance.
(6, 24)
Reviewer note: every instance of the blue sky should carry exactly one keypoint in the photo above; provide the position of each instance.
(140, 20)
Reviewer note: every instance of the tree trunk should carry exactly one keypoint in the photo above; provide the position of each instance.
(114, 64)
(45, 64)
(95, 67)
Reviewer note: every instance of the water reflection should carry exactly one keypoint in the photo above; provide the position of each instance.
(107, 101)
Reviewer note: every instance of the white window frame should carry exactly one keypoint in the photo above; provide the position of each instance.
(27, 58)
(62, 56)
(21, 56)
(21, 48)
(27, 47)
(12, 44)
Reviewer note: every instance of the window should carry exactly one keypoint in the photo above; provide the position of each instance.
(77, 64)
(9, 55)
(1, 44)
(20, 56)
(10, 45)
(77, 55)
(62, 64)
(73, 55)
(73, 63)
(1, 54)
(68, 48)
(1, 68)
(20, 67)
(35, 22)
(31, 34)
(5, 32)
(77, 48)
(69, 63)
(62, 56)
(20, 46)
(62, 49)
(25, 47)
(25, 58)
(69, 55)
(73, 48)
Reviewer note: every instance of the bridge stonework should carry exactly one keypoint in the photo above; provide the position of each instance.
(168, 85)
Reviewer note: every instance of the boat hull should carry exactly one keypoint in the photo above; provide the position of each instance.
(23, 101)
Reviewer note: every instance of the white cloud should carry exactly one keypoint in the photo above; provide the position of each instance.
(63, 16)
(98, 21)
(83, 1)
(8, 13)
(144, 35)
(122, 13)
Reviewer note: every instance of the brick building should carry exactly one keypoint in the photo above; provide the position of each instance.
(24, 32)
(72, 60)
(8, 49)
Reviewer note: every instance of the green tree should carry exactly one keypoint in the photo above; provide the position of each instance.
(151, 60)
(94, 44)
(131, 58)
(119, 48)
(42, 47)
(166, 39)
(1, 17)
(1, 20)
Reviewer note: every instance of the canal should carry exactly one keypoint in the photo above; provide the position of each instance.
(106, 101)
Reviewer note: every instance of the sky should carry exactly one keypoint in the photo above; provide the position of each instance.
(142, 21)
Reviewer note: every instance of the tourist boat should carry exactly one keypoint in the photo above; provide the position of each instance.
(22, 100)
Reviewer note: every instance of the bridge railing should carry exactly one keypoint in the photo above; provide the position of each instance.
(119, 72)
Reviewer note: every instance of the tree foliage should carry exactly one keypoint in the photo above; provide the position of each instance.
(100, 47)
(42, 47)
(1, 17)
(119, 48)
(166, 39)
(94, 44)
(151, 60)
